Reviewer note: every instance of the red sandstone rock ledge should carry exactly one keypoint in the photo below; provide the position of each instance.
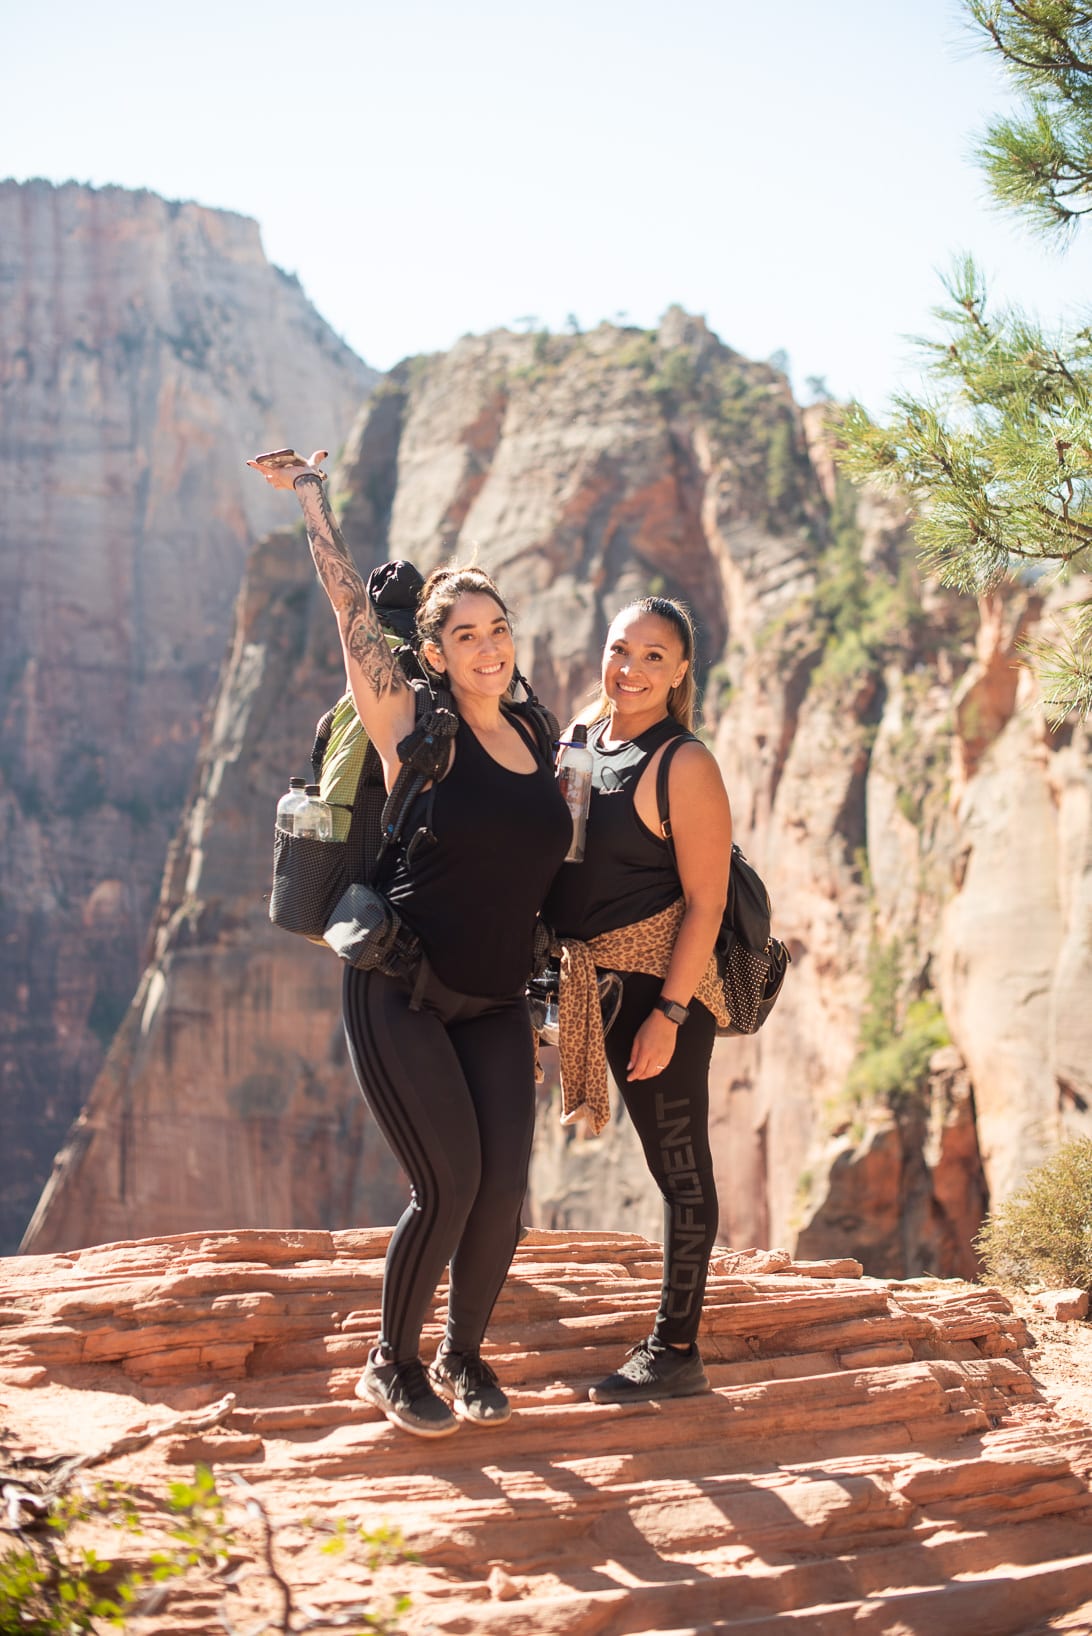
(874, 1456)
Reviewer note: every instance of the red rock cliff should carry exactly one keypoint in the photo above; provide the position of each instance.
(145, 349)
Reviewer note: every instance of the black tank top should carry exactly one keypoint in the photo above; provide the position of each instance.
(472, 897)
(626, 874)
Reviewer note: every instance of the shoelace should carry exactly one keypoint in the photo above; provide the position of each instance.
(474, 1373)
(412, 1379)
(646, 1353)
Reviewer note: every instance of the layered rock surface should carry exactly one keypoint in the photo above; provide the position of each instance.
(146, 348)
(873, 1456)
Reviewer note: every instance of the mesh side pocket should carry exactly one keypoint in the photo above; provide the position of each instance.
(309, 877)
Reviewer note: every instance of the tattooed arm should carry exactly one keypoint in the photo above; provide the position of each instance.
(366, 651)
(383, 697)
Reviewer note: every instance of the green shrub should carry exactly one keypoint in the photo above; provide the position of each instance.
(1043, 1233)
(781, 463)
(863, 613)
(674, 380)
(894, 1044)
(637, 351)
(894, 1072)
(51, 1585)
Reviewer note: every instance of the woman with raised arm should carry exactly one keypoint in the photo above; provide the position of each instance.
(447, 1065)
(633, 907)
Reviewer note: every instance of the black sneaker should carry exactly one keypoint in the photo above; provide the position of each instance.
(403, 1393)
(471, 1385)
(653, 1370)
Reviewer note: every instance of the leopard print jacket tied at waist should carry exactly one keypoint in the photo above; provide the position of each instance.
(646, 946)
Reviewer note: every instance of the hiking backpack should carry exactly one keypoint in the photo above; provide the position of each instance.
(752, 962)
(311, 876)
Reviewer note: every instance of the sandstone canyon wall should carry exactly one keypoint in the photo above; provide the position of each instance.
(876, 745)
(145, 349)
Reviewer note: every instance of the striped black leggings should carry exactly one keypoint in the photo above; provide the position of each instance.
(671, 1116)
(451, 1087)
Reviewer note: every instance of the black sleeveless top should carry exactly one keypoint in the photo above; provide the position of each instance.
(627, 873)
(472, 897)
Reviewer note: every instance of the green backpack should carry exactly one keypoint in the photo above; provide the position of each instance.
(344, 750)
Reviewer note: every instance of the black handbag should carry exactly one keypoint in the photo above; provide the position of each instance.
(751, 961)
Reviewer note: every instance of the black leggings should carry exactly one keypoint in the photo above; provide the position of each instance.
(671, 1117)
(451, 1087)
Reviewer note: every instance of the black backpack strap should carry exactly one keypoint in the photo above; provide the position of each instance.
(322, 741)
(425, 754)
(537, 727)
(662, 808)
(543, 722)
(547, 729)
(747, 910)
(428, 748)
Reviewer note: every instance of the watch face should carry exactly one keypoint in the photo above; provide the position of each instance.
(673, 1011)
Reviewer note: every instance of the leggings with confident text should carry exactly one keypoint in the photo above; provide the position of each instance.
(451, 1087)
(671, 1117)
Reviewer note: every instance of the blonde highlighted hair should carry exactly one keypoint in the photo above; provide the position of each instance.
(681, 700)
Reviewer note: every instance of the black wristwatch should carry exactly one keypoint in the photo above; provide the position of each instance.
(672, 1010)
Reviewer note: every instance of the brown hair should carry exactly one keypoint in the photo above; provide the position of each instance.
(681, 699)
(440, 592)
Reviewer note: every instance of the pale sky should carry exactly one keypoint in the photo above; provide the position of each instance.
(798, 172)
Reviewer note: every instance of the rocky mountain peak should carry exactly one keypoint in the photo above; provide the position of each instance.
(146, 348)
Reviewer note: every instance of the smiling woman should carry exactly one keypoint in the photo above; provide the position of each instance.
(444, 1056)
(627, 905)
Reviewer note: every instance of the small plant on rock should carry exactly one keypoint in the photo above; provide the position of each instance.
(1043, 1233)
(52, 1584)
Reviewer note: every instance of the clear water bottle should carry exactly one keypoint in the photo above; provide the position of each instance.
(314, 818)
(289, 804)
(550, 1030)
(574, 777)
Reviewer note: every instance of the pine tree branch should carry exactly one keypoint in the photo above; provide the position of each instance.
(1068, 58)
(1064, 665)
(999, 463)
(1083, 529)
(1036, 26)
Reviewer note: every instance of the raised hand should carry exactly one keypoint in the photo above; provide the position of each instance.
(281, 467)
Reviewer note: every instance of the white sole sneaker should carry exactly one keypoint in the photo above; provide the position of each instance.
(371, 1391)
